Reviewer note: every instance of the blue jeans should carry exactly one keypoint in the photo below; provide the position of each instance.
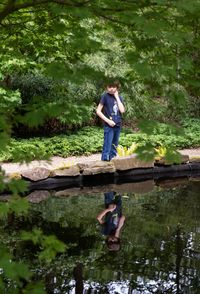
(111, 140)
(113, 198)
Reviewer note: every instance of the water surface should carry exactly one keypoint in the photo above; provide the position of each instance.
(159, 241)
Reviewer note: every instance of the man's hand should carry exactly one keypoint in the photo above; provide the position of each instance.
(111, 123)
(111, 207)
(120, 104)
(100, 221)
(116, 94)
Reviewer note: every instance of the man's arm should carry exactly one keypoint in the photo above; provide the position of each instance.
(101, 214)
(120, 225)
(119, 103)
(99, 112)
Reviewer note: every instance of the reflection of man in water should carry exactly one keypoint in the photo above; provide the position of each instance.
(112, 220)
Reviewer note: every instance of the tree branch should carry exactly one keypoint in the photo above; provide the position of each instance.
(12, 6)
(116, 21)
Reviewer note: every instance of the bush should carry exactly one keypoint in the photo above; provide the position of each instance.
(32, 86)
(89, 140)
(86, 141)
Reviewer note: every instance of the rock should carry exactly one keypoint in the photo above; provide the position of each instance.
(131, 162)
(93, 163)
(38, 196)
(36, 174)
(194, 159)
(97, 167)
(70, 171)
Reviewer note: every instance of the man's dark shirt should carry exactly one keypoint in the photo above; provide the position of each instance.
(110, 108)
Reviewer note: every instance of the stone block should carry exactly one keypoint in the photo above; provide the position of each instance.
(131, 162)
(97, 167)
(70, 171)
(36, 174)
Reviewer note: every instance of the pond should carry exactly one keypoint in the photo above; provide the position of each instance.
(157, 249)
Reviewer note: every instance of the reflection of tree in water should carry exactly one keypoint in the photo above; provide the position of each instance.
(161, 263)
(156, 256)
(78, 276)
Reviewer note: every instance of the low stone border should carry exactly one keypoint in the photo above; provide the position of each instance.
(98, 172)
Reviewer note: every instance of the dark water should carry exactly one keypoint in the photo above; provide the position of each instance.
(159, 241)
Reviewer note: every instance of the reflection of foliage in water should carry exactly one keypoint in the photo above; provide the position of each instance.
(160, 240)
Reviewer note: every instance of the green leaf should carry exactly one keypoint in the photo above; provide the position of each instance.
(58, 70)
(13, 270)
(35, 288)
(146, 152)
(148, 126)
(172, 156)
(19, 205)
(17, 186)
(50, 244)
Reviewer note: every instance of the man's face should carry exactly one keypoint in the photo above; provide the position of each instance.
(111, 89)
(112, 239)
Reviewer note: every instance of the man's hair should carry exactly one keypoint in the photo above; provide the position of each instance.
(113, 83)
(113, 245)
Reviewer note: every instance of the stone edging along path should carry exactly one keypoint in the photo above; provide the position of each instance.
(92, 173)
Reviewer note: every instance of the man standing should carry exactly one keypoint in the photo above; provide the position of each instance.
(110, 110)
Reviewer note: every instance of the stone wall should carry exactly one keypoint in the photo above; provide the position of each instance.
(118, 167)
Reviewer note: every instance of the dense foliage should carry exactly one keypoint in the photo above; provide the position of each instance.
(54, 58)
(58, 55)
(89, 140)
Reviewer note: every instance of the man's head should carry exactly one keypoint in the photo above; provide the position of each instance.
(113, 243)
(112, 87)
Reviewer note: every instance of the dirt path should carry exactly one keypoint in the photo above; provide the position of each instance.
(57, 162)
(53, 163)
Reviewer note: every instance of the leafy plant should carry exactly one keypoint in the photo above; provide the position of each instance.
(161, 152)
(49, 245)
(124, 151)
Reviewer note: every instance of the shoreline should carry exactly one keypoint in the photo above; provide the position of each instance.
(59, 162)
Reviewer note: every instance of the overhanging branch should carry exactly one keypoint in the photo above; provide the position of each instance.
(12, 6)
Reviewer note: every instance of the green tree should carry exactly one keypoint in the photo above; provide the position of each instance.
(152, 46)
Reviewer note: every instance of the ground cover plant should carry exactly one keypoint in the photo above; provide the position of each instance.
(88, 140)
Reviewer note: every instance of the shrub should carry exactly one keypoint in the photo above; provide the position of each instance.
(89, 140)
